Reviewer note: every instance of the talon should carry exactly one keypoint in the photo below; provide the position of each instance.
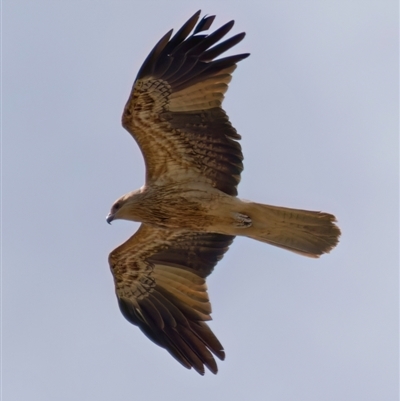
(242, 220)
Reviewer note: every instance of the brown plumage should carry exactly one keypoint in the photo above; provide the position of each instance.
(188, 207)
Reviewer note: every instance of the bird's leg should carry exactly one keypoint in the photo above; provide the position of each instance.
(241, 220)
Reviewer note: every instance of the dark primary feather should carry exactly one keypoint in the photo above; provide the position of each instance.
(182, 53)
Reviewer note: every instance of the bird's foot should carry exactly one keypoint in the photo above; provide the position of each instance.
(241, 220)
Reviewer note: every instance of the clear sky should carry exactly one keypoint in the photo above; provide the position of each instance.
(317, 107)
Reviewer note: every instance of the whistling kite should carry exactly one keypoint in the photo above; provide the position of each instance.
(188, 206)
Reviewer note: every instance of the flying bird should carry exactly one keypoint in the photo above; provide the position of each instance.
(188, 207)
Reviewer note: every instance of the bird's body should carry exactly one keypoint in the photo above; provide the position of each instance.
(188, 207)
(196, 207)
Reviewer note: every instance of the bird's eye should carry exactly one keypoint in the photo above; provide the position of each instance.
(117, 206)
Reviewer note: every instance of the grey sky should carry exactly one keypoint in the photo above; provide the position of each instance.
(317, 107)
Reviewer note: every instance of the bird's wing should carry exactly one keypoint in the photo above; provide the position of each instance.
(174, 110)
(160, 284)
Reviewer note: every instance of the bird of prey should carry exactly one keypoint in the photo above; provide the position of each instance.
(188, 207)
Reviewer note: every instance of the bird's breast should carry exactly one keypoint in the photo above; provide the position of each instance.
(178, 208)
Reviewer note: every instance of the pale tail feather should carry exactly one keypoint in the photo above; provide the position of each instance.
(305, 232)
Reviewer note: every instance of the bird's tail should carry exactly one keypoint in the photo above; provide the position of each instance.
(305, 232)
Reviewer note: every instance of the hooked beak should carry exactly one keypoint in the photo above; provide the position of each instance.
(109, 218)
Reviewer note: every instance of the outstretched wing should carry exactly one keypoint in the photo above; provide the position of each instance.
(174, 110)
(160, 284)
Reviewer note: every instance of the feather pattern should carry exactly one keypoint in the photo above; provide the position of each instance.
(161, 288)
(174, 111)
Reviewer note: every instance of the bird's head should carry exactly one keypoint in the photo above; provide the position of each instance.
(123, 208)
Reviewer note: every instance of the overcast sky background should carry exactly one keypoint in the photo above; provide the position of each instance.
(317, 107)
